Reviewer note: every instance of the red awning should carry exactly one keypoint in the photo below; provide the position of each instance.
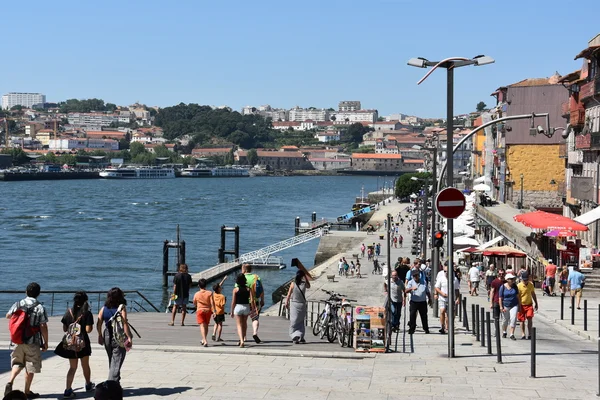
(470, 250)
(505, 251)
(544, 220)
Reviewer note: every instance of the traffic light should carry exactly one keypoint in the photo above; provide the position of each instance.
(438, 239)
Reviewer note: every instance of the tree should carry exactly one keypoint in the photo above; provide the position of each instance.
(19, 157)
(252, 157)
(380, 119)
(355, 133)
(481, 106)
(16, 108)
(136, 148)
(405, 186)
(123, 144)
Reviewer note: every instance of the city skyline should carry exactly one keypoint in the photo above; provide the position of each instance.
(315, 54)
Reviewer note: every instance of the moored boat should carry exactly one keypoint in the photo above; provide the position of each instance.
(131, 172)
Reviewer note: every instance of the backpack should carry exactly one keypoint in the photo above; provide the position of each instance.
(118, 327)
(20, 327)
(257, 287)
(73, 340)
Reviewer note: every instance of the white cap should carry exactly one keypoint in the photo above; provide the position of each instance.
(509, 276)
(550, 260)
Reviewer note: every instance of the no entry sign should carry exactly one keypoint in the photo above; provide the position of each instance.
(450, 203)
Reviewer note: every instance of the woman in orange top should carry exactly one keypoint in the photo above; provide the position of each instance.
(205, 304)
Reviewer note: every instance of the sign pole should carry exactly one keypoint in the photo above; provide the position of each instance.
(450, 221)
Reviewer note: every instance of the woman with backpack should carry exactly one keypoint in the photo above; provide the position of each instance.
(116, 336)
(77, 322)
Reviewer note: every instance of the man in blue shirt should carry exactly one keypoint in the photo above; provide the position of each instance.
(419, 297)
(576, 283)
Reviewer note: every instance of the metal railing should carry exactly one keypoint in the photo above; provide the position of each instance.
(136, 301)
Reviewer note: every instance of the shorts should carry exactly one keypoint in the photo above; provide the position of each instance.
(182, 301)
(219, 318)
(550, 281)
(241, 309)
(525, 313)
(563, 282)
(496, 311)
(28, 356)
(577, 292)
(442, 304)
(203, 316)
(474, 284)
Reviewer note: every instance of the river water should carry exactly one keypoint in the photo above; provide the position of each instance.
(96, 234)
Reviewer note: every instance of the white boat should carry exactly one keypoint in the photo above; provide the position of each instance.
(197, 172)
(230, 171)
(131, 172)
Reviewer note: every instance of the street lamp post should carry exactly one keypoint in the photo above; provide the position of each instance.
(449, 64)
(521, 201)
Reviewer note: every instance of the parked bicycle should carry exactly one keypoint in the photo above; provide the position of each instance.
(334, 321)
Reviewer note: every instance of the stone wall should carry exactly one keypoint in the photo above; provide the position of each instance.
(330, 245)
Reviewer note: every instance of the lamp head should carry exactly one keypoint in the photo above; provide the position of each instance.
(418, 62)
(483, 60)
(414, 178)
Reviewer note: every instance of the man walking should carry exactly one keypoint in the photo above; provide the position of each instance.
(419, 297)
(490, 275)
(28, 355)
(473, 280)
(397, 296)
(181, 289)
(494, 292)
(550, 277)
(441, 289)
(255, 285)
(527, 296)
(576, 281)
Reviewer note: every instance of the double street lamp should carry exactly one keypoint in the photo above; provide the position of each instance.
(449, 64)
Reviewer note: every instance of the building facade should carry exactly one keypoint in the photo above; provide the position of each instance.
(377, 162)
(92, 120)
(298, 114)
(27, 100)
(349, 105)
(355, 116)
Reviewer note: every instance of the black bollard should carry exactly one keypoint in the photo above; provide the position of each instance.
(482, 318)
(562, 306)
(476, 325)
(489, 332)
(498, 342)
(460, 308)
(572, 310)
(585, 315)
(466, 319)
(533, 336)
(474, 319)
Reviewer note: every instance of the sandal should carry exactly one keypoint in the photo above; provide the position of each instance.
(242, 344)
(171, 324)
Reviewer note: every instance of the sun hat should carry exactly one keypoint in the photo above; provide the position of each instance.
(509, 276)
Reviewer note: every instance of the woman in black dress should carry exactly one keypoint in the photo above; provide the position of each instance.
(80, 313)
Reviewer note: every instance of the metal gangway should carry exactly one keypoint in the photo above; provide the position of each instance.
(261, 255)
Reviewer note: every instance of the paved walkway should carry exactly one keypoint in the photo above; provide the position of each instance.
(167, 363)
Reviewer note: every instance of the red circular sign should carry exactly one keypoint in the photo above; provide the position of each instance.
(450, 203)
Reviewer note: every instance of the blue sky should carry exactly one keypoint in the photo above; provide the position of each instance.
(285, 53)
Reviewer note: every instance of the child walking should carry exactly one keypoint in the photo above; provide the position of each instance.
(219, 300)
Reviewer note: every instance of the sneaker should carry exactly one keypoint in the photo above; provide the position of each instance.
(523, 337)
(442, 331)
(512, 337)
(528, 337)
(295, 340)
(504, 335)
(302, 341)
(256, 339)
(69, 394)
(32, 395)
(90, 386)
(8, 388)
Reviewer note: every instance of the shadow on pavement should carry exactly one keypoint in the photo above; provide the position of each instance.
(5, 355)
(149, 391)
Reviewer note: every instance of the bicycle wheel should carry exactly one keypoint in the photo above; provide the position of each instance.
(317, 325)
(330, 328)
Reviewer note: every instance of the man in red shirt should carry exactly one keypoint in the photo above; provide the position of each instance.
(551, 277)
(494, 291)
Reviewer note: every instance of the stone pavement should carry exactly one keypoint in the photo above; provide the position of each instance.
(172, 368)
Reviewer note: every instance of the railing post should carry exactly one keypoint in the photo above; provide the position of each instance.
(585, 315)
(572, 310)
(489, 332)
(533, 339)
(477, 326)
(482, 317)
(562, 306)
(466, 319)
(459, 306)
(312, 312)
(474, 319)
(498, 341)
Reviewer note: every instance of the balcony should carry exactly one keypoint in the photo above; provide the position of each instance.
(583, 142)
(577, 117)
(564, 109)
(595, 142)
(590, 89)
(575, 157)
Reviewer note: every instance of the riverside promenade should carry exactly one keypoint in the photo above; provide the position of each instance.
(169, 363)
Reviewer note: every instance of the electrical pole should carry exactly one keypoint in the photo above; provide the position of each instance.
(450, 221)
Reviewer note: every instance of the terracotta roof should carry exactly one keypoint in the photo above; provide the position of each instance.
(585, 53)
(333, 160)
(285, 123)
(265, 153)
(531, 82)
(377, 156)
(108, 134)
(290, 147)
(213, 150)
(414, 161)
(572, 77)
(387, 122)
